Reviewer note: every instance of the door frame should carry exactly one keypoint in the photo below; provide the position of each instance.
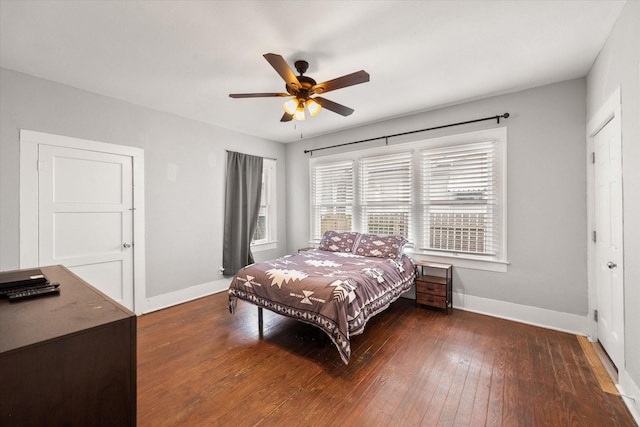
(610, 109)
(29, 147)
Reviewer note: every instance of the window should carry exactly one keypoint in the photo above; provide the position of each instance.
(386, 194)
(332, 204)
(266, 228)
(459, 198)
(445, 195)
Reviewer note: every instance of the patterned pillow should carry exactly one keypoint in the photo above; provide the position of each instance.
(335, 241)
(380, 246)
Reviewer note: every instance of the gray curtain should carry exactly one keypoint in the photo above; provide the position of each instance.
(241, 209)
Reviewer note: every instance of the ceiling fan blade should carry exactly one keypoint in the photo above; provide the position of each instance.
(340, 82)
(286, 117)
(257, 95)
(281, 66)
(333, 106)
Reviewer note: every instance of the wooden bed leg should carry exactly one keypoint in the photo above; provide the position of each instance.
(260, 321)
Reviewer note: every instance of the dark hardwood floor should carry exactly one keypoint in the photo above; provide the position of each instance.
(198, 365)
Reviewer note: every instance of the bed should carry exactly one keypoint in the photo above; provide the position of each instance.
(338, 287)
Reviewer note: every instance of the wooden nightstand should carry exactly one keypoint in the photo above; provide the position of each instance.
(434, 285)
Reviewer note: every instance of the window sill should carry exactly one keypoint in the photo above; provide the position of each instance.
(265, 246)
(460, 261)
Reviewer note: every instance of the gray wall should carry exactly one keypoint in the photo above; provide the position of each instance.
(546, 192)
(184, 218)
(619, 65)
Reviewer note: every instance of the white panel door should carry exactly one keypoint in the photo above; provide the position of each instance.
(86, 218)
(608, 252)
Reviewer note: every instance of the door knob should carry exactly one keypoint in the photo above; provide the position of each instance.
(611, 265)
(128, 245)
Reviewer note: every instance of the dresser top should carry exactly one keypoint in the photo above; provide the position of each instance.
(78, 307)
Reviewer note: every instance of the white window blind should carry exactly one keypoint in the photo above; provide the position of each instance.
(386, 194)
(460, 199)
(332, 197)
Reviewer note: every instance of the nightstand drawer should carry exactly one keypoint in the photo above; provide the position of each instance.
(432, 300)
(431, 288)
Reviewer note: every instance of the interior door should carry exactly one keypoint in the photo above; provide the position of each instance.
(86, 218)
(608, 252)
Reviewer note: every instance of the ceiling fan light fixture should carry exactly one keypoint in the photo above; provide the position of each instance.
(290, 106)
(299, 113)
(314, 107)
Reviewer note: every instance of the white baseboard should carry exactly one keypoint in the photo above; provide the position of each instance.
(564, 322)
(630, 394)
(183, 295)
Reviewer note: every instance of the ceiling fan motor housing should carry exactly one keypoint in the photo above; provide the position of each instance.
(306, 82)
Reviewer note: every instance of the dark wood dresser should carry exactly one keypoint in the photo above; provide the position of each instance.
(67, 360)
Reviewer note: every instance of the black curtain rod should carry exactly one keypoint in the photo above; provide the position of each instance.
(498, 117)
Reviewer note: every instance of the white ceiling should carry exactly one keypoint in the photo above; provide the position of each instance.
(185, 57)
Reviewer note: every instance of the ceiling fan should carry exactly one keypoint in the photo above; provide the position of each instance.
(302, 88)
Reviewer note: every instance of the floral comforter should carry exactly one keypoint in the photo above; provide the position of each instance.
(337, 292)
